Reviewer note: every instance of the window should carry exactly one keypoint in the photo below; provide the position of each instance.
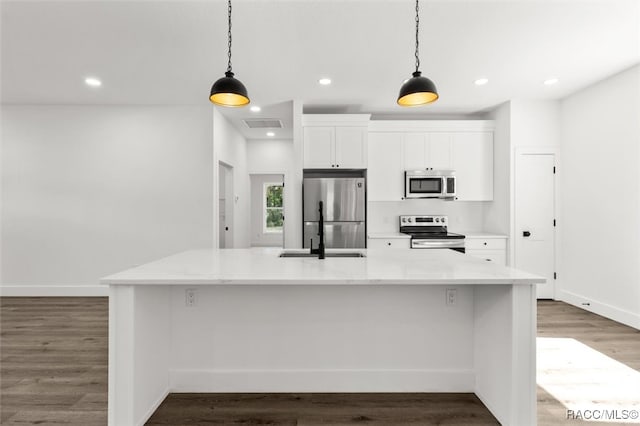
(273, 211)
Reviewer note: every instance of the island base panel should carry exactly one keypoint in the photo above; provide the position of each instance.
(391, 338)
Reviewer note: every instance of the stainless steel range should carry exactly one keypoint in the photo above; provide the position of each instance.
(430, 232)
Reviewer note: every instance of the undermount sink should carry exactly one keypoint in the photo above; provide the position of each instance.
(327, 254)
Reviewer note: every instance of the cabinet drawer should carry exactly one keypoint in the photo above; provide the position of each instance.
(389, 243)
(485, 243)
(499, 257)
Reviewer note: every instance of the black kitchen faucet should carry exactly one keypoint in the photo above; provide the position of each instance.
(320, 250)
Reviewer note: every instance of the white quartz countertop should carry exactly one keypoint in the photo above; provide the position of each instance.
(262, 266)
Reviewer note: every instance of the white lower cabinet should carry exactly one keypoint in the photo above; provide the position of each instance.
(497, 257)
(492, 249)
(388, 243)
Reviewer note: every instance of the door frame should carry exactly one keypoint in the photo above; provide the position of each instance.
(518, 153)
(285, 177)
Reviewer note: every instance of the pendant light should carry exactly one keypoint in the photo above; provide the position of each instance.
(417, 90)
(229, 91)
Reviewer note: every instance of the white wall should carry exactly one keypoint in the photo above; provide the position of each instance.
(519, 125)
(382, 216)
(276, 156)
(497, 213)
(230, 147)
(90, 190)
(293, 237)
(600, 132)
(535, 123)
(260, 238)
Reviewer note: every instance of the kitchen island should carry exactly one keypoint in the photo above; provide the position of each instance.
(247, 320)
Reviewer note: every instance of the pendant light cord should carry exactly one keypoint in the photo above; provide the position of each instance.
(417, 40)
(229, 38)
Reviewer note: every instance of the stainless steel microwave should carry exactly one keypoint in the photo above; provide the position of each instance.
(430, 184)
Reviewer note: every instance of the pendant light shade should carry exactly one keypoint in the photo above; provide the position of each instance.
(417, 90)
(228, 91)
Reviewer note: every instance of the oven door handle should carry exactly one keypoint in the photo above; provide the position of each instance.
(426, 244)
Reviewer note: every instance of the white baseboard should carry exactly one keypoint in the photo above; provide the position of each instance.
(492, 409)
(152, 409)
(53, 290)
(322, 380)
(623, 316)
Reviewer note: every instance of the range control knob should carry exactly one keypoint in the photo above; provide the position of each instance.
(404, 220)
(410, 220)
(437, 219)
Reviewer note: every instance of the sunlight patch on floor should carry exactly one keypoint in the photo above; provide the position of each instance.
(581, 378)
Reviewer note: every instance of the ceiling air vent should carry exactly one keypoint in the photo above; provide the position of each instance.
(263, 123)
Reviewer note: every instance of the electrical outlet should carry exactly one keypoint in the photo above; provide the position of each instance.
(190, 298)
(451, 296)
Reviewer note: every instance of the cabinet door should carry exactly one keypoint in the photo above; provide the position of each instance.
(499, 257)
(415, 151)
(475, 243)
(351, 147)
(389, 243)
(318, 147)
(385, 173)
(473, 164)
(439, 152)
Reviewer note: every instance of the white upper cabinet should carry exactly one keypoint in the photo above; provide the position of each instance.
(465, 146)
(427, 150)
(473, 164)
(318, 147)
(440, 150)
(415, 150)
(351, 147)
(385, 176)
(335, 141)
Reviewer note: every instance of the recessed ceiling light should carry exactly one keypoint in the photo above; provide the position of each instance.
(271, 134)
(325, 81)
(93, 82)
(481, 81)
(550, 81)
(255, 108)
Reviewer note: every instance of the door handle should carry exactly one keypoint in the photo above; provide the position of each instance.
(526, 234)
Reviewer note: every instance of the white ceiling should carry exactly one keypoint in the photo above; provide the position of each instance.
(162, 52)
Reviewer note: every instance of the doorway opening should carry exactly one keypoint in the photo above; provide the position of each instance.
(267, 210)
(225, 205)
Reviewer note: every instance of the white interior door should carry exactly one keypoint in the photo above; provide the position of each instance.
(226, 203)
(534, 218)
(222, 200)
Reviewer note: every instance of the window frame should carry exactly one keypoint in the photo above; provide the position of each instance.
(265, 208)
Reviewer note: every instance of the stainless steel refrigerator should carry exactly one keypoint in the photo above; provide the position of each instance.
(344, 211)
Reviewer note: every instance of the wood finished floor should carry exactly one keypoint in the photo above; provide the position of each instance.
(53, 371)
